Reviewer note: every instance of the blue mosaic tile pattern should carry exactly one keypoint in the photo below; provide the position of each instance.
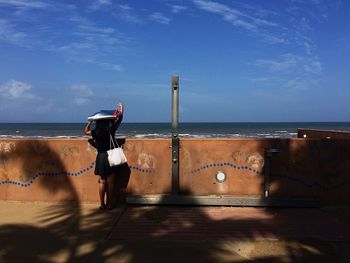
(40, 174)
(225, 164)
(290, 178)
(140, 169)
(78, 173)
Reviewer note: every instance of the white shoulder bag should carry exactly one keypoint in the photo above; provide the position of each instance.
(116, 156)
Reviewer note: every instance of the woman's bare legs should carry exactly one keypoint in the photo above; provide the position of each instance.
(110, 191)
(102, 191)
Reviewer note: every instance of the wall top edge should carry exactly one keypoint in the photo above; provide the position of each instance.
(181, 139)
(81, 139)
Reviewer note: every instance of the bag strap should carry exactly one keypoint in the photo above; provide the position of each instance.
(111, 142)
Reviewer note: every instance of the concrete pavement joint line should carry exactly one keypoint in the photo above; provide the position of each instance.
(81, 172)
(116, 222)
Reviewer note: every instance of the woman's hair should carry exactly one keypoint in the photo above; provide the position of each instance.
(103, 125)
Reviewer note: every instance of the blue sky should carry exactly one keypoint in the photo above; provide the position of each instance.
(238, 61)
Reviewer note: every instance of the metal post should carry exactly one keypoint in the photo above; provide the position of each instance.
(175, 135)
(175, 104)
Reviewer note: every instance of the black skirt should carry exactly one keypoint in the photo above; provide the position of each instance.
(102, 167)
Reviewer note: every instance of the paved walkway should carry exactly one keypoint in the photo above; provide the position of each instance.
(220, 223)
(38, 232)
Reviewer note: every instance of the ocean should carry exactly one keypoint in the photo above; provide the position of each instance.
(163, 130)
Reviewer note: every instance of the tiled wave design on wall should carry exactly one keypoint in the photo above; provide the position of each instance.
(142, 170)
(42, 174)
(290, 178)
(225, 164)
(78, 173)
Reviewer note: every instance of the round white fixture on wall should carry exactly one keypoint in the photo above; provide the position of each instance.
(220, 177)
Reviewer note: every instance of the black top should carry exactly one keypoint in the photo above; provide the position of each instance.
(102, 133)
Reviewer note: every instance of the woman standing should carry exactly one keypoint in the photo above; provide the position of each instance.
(102, 133)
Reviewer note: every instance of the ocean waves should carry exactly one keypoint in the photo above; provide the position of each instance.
(163, 130)
(160, 135)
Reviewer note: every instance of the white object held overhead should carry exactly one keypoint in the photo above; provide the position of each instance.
(103, 115)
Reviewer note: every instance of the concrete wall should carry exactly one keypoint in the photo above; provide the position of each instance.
(323, 134)
(314, 168)
(55, 170)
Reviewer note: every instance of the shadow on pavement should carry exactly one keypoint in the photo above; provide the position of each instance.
(66, 232)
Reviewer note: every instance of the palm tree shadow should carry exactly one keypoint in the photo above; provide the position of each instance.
(146, 233)
(161, 234)
(202, 234)
(42, 165)
(63, 231)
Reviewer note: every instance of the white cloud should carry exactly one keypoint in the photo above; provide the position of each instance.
(24, 4)
(8, 33)
(125, 7)
(119, 11)
(290, 63)
(178, 8)
(126, 13)
(300, 83)
(160, 18)
(294, 72)
(270, 39)
(289, 27)
(98, 4)
(108, 66)
(92, 44)
(16, 90)
(285, 63)
(19, 97)
(252, 19)
(115, 67)
(214, 7)
(73, 35)
(314, 66)
(82, 94)
(304, 24)
(229, 14)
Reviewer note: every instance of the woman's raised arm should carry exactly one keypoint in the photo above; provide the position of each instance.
(87, 130)
(119, 116)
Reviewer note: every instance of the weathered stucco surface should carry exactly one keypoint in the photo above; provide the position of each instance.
(62, 169)
(55, 170)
